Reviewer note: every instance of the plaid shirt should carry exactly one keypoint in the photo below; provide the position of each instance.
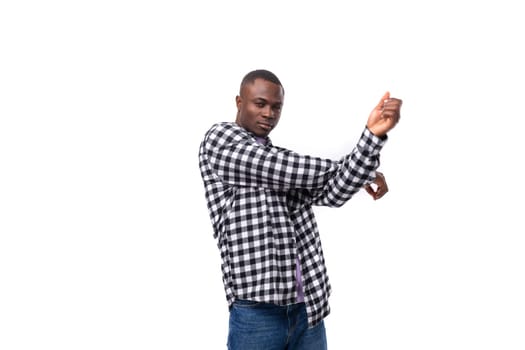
(260, 201)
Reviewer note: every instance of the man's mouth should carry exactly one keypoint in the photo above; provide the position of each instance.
(266, 126)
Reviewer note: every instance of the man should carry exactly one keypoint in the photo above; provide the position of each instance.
(260, 200)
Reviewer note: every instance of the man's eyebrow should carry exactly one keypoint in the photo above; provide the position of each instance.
(262, 99)
(259, 100)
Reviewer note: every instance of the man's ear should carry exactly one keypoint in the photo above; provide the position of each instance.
(238, 102)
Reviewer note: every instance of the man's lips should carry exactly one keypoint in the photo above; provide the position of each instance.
(266, 126)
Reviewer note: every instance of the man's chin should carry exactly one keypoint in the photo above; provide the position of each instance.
(260, 132)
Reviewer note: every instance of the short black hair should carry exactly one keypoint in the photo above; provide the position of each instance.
(261, 74)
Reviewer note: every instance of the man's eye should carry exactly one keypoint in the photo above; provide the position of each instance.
(259, 104)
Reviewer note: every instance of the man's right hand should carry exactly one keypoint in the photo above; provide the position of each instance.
(385, 115)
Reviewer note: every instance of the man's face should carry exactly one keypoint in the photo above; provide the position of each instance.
(259, 106)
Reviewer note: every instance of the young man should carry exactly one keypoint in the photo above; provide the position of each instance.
(260, 200)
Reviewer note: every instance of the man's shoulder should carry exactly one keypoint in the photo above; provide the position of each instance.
(222, 127)
(225, 132)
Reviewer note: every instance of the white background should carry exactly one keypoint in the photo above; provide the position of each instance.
(105, 241)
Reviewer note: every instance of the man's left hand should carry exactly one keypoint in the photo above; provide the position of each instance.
(378, 188)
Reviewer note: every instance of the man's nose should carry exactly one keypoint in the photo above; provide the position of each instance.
(268, 112)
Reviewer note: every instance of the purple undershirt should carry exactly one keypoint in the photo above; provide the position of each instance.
(299, 284)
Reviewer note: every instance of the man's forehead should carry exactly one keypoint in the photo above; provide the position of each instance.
(263, 87)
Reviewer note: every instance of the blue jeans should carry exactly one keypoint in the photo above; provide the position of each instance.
(263, 326)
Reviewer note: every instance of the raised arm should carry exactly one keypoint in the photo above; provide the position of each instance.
(237, 160)
(356, 170)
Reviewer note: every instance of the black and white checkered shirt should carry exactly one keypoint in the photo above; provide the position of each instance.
(260, 200)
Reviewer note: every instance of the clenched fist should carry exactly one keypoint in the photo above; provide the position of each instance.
(385, 115)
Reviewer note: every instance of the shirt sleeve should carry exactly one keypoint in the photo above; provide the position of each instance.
(239, 161)
(354, 171)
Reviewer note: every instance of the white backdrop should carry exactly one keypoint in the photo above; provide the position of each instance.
(105, 241)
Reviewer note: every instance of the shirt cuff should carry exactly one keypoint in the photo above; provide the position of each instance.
(370, 144)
